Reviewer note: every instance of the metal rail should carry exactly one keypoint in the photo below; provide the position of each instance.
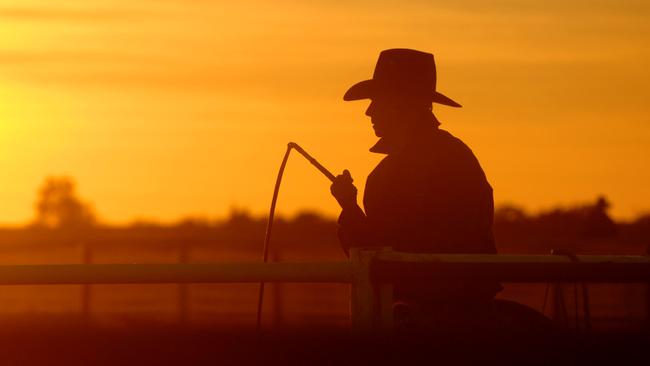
(61, 274)
(393, 266)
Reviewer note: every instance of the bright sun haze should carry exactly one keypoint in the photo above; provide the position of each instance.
(162, 110)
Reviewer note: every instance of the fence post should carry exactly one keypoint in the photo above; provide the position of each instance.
(361, 292)
(371, 304)
(86, 291)
(278, 295)
(183, 290)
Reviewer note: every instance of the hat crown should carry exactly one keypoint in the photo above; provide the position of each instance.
(406, 71)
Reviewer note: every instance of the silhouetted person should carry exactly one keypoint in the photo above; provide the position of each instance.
(429, 194)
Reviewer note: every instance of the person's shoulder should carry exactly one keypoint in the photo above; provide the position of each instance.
(456, 151)
(446, 140)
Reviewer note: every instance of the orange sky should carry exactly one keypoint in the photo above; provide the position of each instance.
(163, 109)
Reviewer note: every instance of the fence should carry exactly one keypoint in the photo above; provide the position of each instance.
(371, 273)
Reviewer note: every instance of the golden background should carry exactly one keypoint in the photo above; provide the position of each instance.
(164, 109)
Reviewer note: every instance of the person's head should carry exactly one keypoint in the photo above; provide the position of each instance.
(402, 89)
(394, 116)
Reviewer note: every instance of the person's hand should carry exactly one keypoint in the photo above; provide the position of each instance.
(344, 191)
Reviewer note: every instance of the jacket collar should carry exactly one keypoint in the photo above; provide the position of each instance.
(381, 147)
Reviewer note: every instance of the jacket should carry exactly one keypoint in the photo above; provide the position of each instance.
(431, 196)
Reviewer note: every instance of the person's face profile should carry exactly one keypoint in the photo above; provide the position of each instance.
(383, 114)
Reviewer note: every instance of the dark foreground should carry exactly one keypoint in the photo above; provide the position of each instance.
(150, 345)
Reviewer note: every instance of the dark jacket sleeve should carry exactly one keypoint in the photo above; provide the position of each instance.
(353, 229)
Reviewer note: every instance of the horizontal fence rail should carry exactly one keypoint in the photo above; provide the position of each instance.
(384, 266)
(405, 267)
(61, 274)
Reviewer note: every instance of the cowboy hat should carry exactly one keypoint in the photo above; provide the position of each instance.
(401, 72)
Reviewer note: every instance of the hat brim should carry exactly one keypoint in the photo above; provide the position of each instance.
(367, 89)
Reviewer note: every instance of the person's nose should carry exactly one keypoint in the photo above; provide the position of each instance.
(371, 109)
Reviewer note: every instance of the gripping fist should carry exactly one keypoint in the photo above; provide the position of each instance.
(344, 191)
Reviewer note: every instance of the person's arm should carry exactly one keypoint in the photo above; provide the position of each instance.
(353, 224)
(353, 230)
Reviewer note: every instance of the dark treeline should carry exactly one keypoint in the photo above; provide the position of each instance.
(62, 217)
(582, 228)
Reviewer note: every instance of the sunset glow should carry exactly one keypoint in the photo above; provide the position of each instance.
(162, 110)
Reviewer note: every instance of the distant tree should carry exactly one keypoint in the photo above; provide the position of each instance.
(308, 218)
(239, 217)
(242, 224)
(508, 213)
(58, 206)
(193, 222)
(597, 221)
